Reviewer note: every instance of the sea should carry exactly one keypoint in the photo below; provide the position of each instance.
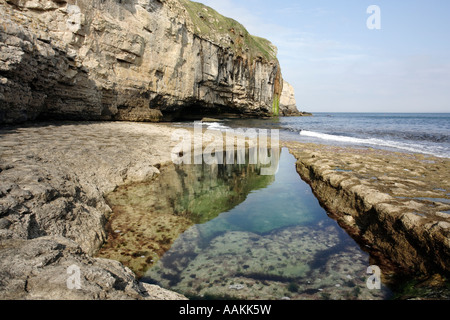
(426, 133)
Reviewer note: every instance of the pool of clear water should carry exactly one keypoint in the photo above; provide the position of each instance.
(277, 242)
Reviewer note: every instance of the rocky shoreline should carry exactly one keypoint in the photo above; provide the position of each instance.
(52, 209)
(54, 178)
(396, 203)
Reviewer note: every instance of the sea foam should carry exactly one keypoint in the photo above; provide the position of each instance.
(373, 142)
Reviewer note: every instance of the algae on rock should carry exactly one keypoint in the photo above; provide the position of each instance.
(148, 217)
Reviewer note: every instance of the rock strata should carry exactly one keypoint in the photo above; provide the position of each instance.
(397, 203)
(130, 60)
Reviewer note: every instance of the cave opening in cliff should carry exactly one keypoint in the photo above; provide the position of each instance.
(197, 112)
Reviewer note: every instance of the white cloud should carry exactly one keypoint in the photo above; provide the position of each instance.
(340, 75)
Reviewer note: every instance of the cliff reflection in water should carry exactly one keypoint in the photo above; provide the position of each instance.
(148, 217)
(203, 191)
(259, 237)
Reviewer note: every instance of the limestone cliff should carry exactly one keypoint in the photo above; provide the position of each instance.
(287, 101)
(288, 104)
(137, 60)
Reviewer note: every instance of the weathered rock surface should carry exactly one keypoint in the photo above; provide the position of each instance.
(288, 104)
(56, 268)
(54, 176)
(53, 182)
(53, 179)
(130, 60)
(397, 203)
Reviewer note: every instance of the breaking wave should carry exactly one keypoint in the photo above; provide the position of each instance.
(376, 142)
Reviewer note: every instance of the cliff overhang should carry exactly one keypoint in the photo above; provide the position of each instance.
(131, 60)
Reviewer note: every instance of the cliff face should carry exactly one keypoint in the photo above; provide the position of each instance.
(130, 60)
(288, 104)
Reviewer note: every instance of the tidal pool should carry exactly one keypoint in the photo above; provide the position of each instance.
(257, 237)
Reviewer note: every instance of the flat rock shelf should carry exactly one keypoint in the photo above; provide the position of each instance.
(242, 235)
(381, 208)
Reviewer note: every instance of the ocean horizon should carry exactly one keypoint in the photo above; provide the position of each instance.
(426, 133)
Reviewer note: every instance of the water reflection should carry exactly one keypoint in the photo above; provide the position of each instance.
(259, 237)
(149, 217)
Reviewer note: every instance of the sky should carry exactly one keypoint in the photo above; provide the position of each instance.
(337, 64)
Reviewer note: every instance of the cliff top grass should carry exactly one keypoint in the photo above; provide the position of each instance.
(209, 24)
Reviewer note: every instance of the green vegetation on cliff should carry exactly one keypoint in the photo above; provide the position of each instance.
(211, 25)
(276, 105)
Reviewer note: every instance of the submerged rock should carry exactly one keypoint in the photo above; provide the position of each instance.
(152, 215)
(292, 262)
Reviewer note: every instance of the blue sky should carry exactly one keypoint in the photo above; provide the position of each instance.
(336, 64)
